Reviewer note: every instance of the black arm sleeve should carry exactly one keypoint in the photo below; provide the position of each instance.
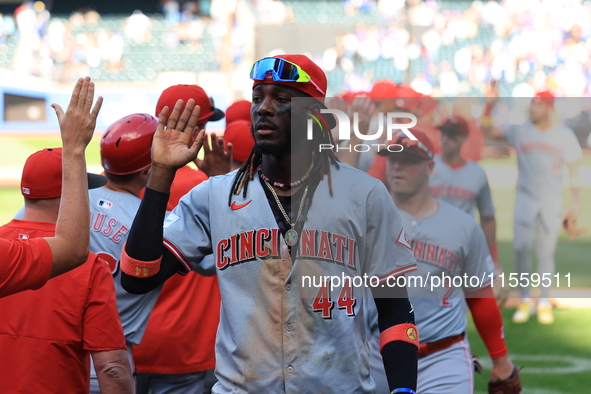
(145, 243)
(400, 358)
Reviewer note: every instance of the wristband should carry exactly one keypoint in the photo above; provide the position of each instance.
(403, 390)
(406, 332)
(139, 268)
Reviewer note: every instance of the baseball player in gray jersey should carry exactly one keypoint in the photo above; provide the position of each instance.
(125, 156)
(543, 146)
(445, 241)
(279, 333)
(463, 183)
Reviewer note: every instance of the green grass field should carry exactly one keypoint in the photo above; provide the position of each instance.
(556, 358)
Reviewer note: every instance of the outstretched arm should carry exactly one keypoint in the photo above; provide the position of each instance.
(71, 243)
(489, 323)
(145, 262)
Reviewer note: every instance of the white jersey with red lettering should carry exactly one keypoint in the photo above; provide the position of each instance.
(465, 186)
(540, 157)
(280, 330)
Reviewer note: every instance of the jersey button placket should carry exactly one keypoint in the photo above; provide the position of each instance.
(291, 302)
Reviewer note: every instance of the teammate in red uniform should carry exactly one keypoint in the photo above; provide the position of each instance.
(28, 264)
(49, 333)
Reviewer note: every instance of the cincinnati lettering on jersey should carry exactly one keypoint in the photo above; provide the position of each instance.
(539, 147)
(427, 252)
(450, 191)
(107, 226)
(264, 244)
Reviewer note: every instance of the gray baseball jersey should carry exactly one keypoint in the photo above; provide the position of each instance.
(112, 214)
(448, 242)
(278, 332)
(465, 187)
(540, 156)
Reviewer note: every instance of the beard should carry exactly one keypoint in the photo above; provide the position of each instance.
(274, 149)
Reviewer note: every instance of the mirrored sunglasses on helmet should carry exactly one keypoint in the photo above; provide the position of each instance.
(281, 70)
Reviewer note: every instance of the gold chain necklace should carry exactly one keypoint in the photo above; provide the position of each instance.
(291, 236)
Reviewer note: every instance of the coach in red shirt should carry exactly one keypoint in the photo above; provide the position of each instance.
(28, 264)
(47, 335)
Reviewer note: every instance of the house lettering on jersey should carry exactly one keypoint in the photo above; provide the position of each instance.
(264, 243)
(107, 226)
(434, 254)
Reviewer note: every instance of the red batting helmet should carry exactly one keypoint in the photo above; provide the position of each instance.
(126, 145)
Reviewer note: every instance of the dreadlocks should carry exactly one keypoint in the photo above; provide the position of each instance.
(321, 167)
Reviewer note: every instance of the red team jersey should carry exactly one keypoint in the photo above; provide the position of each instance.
(46, 335)
(26, 265)
(180, 335)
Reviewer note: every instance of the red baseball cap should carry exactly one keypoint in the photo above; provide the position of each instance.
(383, 88)
(422, 147)
(428, 103)
(42, 175)
(316, 74)
(544, 97)
(407, 97)
(455, 125)
(316, 87)
(170, 95)
(240, 135)
(240, 110)
(354, 94)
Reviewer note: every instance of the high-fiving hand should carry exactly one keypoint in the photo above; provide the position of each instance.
(217, 160)
(178, 140)
(78, 122)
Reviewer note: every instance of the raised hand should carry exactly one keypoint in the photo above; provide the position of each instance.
(178, 140)
(78, 122)
(217, 160)
(364, 108)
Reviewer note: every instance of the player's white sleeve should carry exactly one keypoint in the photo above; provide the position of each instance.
(572, 149)
(186, 228)
(484, 199)
(478, 263)
(387, 249)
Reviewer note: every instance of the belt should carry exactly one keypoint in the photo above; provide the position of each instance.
(428, 348)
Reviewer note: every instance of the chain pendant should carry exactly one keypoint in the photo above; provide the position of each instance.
(291, 237)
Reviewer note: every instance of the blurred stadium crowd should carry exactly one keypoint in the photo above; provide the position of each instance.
(441, 48)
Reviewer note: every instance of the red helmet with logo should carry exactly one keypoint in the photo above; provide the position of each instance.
(126, 145)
